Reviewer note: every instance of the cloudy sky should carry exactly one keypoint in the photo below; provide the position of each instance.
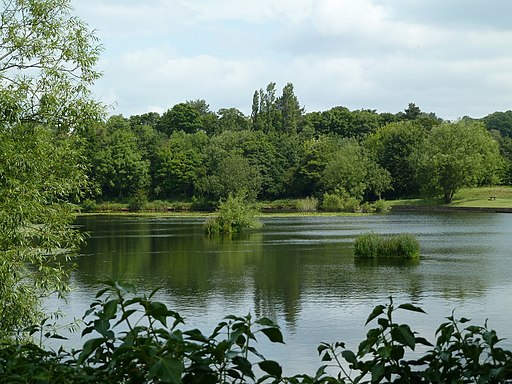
(451, 57)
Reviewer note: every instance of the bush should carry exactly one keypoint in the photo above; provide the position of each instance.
(308, 204)
(135, 339)
(333, 202)
(381, 206)
(340, 201)
(366, 207)
(233, 215)
(371, 245)
(138, 201)
(89, 205)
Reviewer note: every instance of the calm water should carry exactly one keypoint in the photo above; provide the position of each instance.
(300, 271)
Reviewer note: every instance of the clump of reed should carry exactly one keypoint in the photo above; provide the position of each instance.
(400, 246)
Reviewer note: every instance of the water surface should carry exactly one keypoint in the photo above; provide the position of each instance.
(301, 272)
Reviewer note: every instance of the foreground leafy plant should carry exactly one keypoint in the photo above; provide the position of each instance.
(135, 339)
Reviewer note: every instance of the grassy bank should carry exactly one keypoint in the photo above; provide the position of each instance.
(485, 197)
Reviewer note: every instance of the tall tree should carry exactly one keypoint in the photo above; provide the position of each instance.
(181, 117)
(39, 173)
(47, 65)
(457, 155)
(392, 147)
(289, 109)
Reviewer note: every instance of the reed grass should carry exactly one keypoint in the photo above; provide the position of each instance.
(401, 246)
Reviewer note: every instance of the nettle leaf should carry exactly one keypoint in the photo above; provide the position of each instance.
(271, 367)
(377, 311)
(410, 307)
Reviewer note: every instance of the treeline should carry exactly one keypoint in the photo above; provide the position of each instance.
(280, 151)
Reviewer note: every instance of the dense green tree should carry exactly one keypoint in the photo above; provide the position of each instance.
(412, 112)
(230, 173)
(47, 65)
(457, 155)
(505, 144)
(345, 123)
(289, 109)
(307, 178)
(40, 171)
(499, 121)
(350, 169)
(232, 119)
(179, 164)
(181, 117)
(392, 147)
(150, 119)
(119, 167)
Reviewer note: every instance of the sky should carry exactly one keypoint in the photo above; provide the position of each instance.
(450, 57)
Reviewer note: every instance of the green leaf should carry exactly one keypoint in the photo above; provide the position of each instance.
(326, 356)
(404, 335)
(89, 347)
(125, 287)
(410, 307)
(167, 370)
(378, 371)
(273, 334)
(126, 314)
(271, 367)
(110, 309)
(349, 356)
(265, 322)
(377, 311)
(102, 327)
(244, 366)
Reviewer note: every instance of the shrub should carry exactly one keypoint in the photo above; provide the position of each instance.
(340, 201)
(371, 245)
(366, 207)
(234, 214)
(89, 205)
(381, 206)
(308, 204)
(138, 201)
(333, 202)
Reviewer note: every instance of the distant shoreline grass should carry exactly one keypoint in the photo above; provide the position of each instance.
(465, 199)
(483, 197)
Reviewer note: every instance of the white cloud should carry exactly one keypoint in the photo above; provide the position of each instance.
(358, 53)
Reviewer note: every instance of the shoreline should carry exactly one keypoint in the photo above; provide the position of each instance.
(439, 208)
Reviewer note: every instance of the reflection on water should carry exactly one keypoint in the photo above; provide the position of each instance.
(301, 272)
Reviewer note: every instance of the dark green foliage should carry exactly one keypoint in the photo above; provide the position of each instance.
(135, 339)
(372, 245)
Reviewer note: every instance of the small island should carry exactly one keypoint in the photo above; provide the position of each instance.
(373, 246)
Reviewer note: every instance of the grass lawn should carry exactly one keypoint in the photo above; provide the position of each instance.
(468, 197)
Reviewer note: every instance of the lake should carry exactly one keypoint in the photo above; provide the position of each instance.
(300, 271)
